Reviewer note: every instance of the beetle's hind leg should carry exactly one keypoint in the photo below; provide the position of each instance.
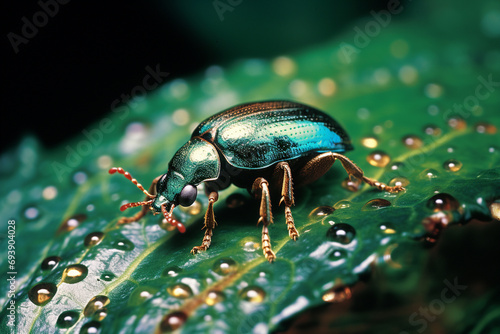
(209, 224)
(260, 188)
(287, 197)
(144, 209)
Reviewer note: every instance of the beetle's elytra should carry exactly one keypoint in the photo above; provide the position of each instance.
(257, 146)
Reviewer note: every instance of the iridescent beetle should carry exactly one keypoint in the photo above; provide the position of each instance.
(258, 146)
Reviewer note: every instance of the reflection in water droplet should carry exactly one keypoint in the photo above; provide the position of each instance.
(181, 291)
(375, 204)
(495, 210)
(100, 314)
(351, 184)
(397, 165)
(93, 239)
(484, 127)
(67, 319)
(450, 149)
(337, 294)
(235, 200)
(250, 244)
(429, 174)
(50, 262)
(452, 165)
(42, 293)
(125, 245)
(213, 297)
(95, 304)
(141, 294)
(369, 142)
(457, 123)
(443, 202)
(171, 271)
(71, 223)
(342, 204)
(31, 212)
(342, 233)
(74, 273)
(432, 130)
(91, 327)
(193, 209)
(337, 254)
(320, 212)
(253, 294)
(107, 276)
(399, 181)
(225, 266)
(412, 141)
(172, 321)
(387, 228)
(378, 159)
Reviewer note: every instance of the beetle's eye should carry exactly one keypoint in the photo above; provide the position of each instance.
(160, 185)
(187, 195)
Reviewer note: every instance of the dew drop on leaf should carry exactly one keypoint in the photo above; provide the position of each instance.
(369, 142)
(321, 212)
(375, 204)
(125, 245)
(95, 304)
(452, 165)
(351, 184)
(91, 327)
(71, 223)
(74, 273)
(484, 127)
(396, 165)
(399, 181)
(172, 321)
(171, 272)
(100, 314)
(213, 297)
(42, 293)
(337, 294)
(50, 263)
(387, 228)
(443, 202)
(429, 174)
(412, 142)
(457, 123)
(93, 239)
(342, 204)
(31, 212)
(67, 319)
(337, 254)
(107, 276)
(432, 130)
(342, 233)
(253, 294)
(225, 266)
(378, 159)
(180, 290)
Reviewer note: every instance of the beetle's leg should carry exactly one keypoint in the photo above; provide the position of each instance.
(287, 197)
(353, 170)
(144, 209)
(209, 224)
(260, 188)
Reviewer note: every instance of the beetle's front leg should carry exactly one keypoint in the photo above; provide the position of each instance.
(209, 224)
(287, 197)
(260, 188)
(144, 209)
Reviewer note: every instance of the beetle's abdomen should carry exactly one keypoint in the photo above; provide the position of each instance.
(261, 134)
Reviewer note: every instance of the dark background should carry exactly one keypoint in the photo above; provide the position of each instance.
(89, 53)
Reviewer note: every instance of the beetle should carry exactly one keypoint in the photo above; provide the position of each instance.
(256, 146)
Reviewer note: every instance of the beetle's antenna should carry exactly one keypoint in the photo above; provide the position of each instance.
(133, 205)
(170, 218)
(134, 181)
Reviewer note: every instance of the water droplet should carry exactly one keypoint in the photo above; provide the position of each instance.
(327, 87)
(443, 202)
(399, 181)
(93, 239)
(495, 210)
(378, 159)
(193, 209)
(104, 162)
(79, 177)
(337, 254)
(321, 212)
(337, 294)
(71, 223)
(49, 193)
(95, 304)
(225, 266)
(74, 273)
(342, 233)
(250, 244)
(412, 141)
(452, 165)
(351, 184)
(450, 149)
(429, 174)
(433, 90)
(172, 321)
(42, 293)
(492, 149)
(107, 276)
(375, 204)
(369, 142)
(50, 263)
(31, 212)
(342, 204)
(141, 294)
(100, 314)
(484, 127)
(91, 327)
(387, 228)
(253, 294)
(457, 123)
(235, 200)
(397, 165)
(67, 319)
(181, 291)
(125, 245)
(214, 297)
(171, 272)
(283, 66)
(432, 130)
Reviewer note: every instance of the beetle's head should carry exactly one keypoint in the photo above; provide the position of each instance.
(195, 162)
